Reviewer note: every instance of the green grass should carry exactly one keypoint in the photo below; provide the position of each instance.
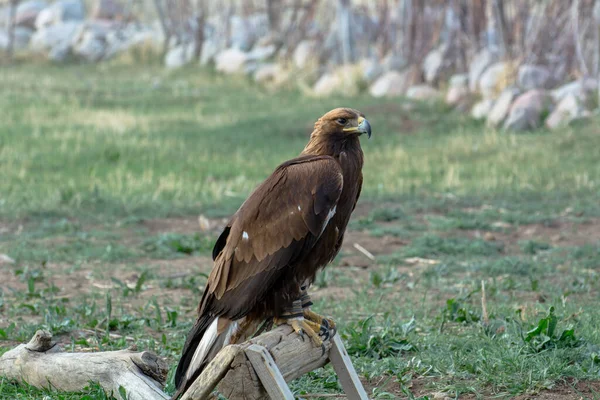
(105, 170)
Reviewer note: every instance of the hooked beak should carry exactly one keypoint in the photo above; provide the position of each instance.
(364, 126)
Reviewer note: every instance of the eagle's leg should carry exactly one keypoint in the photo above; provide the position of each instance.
(294, 317)
(326, 325)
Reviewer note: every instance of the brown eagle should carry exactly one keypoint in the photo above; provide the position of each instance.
(268, 254)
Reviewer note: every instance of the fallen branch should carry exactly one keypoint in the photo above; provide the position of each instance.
(43, 364)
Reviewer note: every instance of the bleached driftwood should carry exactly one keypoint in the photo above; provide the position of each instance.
(43, 364)
(251, 370)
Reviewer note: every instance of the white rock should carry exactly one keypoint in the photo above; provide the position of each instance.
(5, 259)
(55, 36)
(22, 37)
(61, 11)
(433, 63)
(478, 65)
(458, 90)
(327, 84)
(179, 56)
(231, 61)
(533, 77)
(526, 112)
(423, 93)
(210, 49)
(391, 84)
(492, 79)
(580, 88)
(482, 108)
(394, 62)
(89, 47)
(567, 110)
(27, 12)
(262, 53)
(267, 72)
(501, 107)
(371, 69)
(304, 53)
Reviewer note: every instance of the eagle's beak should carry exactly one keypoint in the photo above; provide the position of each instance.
(364, 126)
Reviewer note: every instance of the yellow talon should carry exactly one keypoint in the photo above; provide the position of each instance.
(304, 327)
(319, 319)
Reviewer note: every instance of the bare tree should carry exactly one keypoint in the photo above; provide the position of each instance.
(274, 9)
(11, 28)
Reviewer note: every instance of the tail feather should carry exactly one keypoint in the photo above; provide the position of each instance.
(197, 347)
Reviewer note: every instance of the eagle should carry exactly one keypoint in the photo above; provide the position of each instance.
(268, 254)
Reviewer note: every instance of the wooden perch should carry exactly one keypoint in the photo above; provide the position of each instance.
(43, 364)
(256, 369)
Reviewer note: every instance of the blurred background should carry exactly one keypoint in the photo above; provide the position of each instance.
(130, 130)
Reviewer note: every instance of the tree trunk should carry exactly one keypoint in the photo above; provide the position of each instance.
(11, 28)
(274, 8)
(344, 31)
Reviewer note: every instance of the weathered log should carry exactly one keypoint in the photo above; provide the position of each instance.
(43, 364)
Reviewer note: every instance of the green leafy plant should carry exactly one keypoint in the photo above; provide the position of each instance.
(367, 339)
(545, 335)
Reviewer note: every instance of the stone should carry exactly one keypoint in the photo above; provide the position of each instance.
(533, 77)
(5, 259)
(304, 53)
(494, 79)
(267, 73)
(423, 93)
(479, 64)
(89, 46)
(433, 64)
(327, 84)
(501, 107)
(179, 56)
(580, 88)
(108, 10)
(262, 53)
(527, 110)
(568, 109)
(394, 62)
(210, 49)
(61, 11)
(458, 91)
(371, 69)
(482, 108)
(394, 83)
(28, 11)
(55, 37)
(231, 61)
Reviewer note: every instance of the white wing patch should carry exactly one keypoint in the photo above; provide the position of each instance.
(299, 208)
(330, 215)
(245, 235)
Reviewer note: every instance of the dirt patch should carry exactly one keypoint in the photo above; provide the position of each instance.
(568, 390)
(184, 225)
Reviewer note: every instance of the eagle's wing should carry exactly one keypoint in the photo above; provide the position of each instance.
(283, 217)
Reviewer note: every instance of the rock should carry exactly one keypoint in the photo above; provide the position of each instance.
(527, 110)
(480, 63)
(108, 10)
(28, 11)
(231, 61)
(494, 79)
(179, 56)
(501, 107)
(394, 62)
(394, 83)
(482, 108)
(423, 93)
(433, 64)
(89, 46)
(262, 53)
(5, 259)
(458, 91)
(327, 84)
(267, 73)
(56, 40)
(371, 69)
(533, 77)
(304, 53)
(580, 88)
(61, 11)
(567, 110)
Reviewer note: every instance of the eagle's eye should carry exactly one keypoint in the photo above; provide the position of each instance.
(342, 121)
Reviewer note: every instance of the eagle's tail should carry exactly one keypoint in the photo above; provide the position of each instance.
(203, 343)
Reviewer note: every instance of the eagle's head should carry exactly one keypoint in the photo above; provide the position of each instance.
(342, 122)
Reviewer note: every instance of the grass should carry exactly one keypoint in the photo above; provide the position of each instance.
(105, 170)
